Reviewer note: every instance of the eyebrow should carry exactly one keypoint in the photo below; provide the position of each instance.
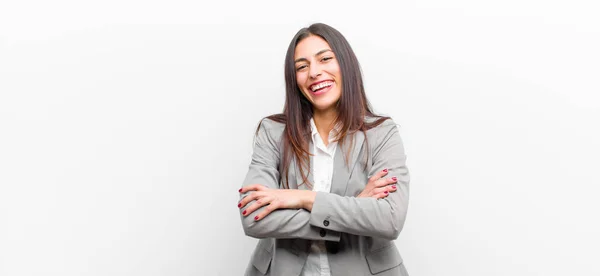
(318, 53)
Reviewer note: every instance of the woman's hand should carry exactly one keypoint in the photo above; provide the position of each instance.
(274, 199)
(379, 187)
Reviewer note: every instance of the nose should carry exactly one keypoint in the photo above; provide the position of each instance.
(315, 71)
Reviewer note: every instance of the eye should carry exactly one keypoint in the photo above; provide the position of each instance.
(301, 67)
(326, 59)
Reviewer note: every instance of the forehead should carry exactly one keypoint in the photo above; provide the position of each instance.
(309, 46)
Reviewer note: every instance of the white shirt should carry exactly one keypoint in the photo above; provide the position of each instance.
(322, 171)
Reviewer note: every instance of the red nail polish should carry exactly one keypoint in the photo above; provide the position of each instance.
(240, 190)
(256, 218)
(386, 192)
(239, 205)
(244, 212)
(394, 178)
(393, 187)
(384, 170)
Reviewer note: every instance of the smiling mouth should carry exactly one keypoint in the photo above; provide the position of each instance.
(321, 86)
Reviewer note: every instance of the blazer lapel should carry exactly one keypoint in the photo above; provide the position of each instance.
(341, 172)
(299, 182)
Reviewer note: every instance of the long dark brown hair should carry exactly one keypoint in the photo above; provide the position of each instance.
(353, 106)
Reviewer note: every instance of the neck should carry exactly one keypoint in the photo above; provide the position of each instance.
(324, 120)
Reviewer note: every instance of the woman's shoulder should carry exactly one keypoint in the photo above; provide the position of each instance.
(271, 126)
(273, 122)
(387, 130)
(379, 123)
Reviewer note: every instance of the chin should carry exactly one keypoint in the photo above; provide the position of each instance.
(324, 103)
(324, 106)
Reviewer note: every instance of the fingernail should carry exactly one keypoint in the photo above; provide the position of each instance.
(384, 170)
(394, 178)
(394, 187)
(386, 192)
(256, 218)
(240, 190)
(239, 205)
(244, 212)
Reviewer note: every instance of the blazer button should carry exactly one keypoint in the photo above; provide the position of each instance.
(326, 222)
(323, 233)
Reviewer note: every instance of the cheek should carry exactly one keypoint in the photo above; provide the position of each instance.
(300, 81)
(300, 75)
(337, 72)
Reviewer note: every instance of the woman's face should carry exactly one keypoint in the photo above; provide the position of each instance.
(318, 73)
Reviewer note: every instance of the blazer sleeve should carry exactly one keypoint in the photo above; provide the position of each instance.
(281, 223)
(382, 218)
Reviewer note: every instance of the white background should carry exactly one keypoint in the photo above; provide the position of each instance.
(126, 129)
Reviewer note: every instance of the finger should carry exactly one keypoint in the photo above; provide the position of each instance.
(249, 198)
(378, 175)
(253, 187)
(272, 207)
(381, 195)
(381, 190)
(246, 199)
(390, 188)
(382, 182)
(386, 181)
(257, 204)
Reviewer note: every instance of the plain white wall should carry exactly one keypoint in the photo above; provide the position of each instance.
(126, 129)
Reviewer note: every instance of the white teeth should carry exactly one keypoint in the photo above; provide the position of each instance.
(321, 85)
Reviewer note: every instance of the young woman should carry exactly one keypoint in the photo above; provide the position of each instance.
(327, 189)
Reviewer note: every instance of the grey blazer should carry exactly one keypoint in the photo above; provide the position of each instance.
(360, 232)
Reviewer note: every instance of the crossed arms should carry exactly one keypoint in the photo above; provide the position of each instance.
(269, 212)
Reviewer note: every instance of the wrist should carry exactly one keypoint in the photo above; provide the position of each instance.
(308, 199)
